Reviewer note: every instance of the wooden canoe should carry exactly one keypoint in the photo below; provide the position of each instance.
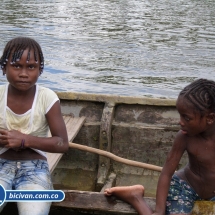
(138, 129)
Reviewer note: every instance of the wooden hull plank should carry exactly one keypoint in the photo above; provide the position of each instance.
(98, 202)
(94, 201)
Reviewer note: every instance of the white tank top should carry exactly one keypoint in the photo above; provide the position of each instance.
(33, 121)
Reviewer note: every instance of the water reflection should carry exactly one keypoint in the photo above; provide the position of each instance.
(134, 47)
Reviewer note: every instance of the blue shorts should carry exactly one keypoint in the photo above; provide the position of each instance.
(26, 175)
(181, 197)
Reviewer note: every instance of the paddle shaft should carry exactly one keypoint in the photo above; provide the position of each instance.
(114, 157)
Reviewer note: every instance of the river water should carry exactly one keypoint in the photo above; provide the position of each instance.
(122, 47)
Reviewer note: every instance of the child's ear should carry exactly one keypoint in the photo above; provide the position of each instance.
(211, 118)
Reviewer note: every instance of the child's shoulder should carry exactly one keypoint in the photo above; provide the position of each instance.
(181, 138)
(180, 135)
(46, 95)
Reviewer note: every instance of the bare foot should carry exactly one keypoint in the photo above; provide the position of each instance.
(132, 195)
(126, 193)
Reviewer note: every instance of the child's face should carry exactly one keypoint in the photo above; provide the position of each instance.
(22, 75)
(191, 121)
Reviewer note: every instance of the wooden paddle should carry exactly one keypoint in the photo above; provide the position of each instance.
(114, 157)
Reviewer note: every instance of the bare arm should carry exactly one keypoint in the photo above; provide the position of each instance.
(57, 143)
(172, 161)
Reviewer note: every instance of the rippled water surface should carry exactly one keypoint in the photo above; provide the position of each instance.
(122, 47)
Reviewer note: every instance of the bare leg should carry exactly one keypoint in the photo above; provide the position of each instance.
(132, 195)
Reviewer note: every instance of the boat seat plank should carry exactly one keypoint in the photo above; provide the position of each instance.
(73, 126)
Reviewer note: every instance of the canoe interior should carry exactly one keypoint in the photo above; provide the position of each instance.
(137, 129)
(140, 129)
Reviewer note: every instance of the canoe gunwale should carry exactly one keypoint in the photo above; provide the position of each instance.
(115, 99)
(98, 203)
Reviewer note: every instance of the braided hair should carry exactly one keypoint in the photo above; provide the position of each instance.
(17, 46)
(201, 93)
